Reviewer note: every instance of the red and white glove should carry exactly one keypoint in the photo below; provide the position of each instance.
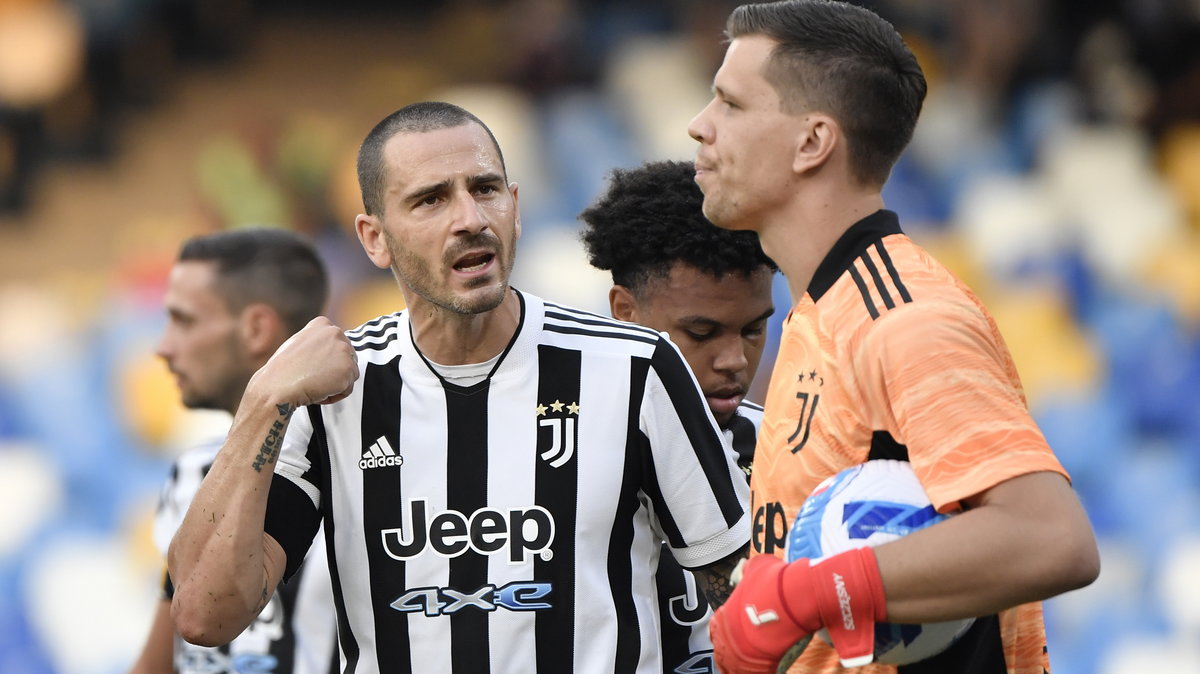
(776, 604)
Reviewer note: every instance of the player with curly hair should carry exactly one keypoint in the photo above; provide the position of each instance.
(710, 290)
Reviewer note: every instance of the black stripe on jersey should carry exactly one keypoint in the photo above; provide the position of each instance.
(745, 435)
(849, 246)
(978, 651)
(891, 269)
(670, 530)
(467, 470)
(592, 319)
(291, 520)
(673, 603)
(382, 504)
(284, 648)
(884, 294)
(557, 490)
(376, 346)
(318, 449)
(884, 446)
(645, 339)
(620, 572)
(692, 410)
(866, 293)
(376, 327)
(384, 330)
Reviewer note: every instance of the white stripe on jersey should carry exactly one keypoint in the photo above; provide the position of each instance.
(448, 554)
(686, 646)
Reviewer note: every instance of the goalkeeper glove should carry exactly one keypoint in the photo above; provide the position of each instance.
(777, 603)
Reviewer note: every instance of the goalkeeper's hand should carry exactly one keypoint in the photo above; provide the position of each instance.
(777, 604)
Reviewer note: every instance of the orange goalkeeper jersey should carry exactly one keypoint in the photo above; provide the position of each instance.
(889, 355)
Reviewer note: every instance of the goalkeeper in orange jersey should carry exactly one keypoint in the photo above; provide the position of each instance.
(885, 354)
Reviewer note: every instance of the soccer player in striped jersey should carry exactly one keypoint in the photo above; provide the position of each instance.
(710, 290)
(885, 354)
(232, 298)
(495, 472)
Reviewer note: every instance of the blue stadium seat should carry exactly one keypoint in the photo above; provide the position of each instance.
(1153, 362)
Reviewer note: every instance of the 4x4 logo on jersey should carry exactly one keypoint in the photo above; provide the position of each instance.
(380, 454)
(523, 531)
(560, 446)
(807, 397)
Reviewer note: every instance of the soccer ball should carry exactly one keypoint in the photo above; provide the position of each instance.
(870, 504)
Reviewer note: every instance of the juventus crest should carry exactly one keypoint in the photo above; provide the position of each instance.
(560, 419)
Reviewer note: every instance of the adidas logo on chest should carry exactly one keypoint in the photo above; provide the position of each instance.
(379, 455)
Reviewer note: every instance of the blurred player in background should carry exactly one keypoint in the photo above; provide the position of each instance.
(710, 290)
(884, 354)
(497, 472)
(232, 299)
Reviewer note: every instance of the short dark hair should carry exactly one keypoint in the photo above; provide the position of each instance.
(846, 61)
(413, 118)
(650, 218)
(274, 266)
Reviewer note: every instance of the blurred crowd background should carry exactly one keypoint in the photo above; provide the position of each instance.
(1056, 168)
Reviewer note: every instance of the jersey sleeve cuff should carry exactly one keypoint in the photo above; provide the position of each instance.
(717, 548)
(292, 520)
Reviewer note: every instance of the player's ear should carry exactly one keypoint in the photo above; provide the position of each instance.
(513, 189)
(622, 304)
(262, 330)
(369, 229)
(819, 135)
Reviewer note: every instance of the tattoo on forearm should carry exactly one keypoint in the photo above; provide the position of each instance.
(269, 452)
(714, 579)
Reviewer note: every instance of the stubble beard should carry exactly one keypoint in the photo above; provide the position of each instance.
(414, 273)
(228, 385)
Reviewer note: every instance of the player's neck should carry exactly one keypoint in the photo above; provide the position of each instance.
(800, 236)
(449, 338)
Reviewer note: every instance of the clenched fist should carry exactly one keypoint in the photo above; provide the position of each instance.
(316, 365)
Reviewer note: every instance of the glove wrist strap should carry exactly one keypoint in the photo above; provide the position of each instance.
(849, 597)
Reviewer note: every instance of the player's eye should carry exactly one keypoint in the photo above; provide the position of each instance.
(698, 336)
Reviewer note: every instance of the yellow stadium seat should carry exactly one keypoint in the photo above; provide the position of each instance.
(1052, 354)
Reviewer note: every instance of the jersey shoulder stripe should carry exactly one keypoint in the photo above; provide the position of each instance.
(881, 289)
(378, 334)
(375, 327)
(566, 316)
(586, 331)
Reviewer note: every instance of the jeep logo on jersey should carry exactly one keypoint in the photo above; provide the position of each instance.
(380, 454)
(524, 531)
(769, 529)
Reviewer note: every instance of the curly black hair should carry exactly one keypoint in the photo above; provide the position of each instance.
(650, 218)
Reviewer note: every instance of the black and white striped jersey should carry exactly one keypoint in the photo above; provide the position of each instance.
(686, 646)
(294, 634)
(513, 525)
